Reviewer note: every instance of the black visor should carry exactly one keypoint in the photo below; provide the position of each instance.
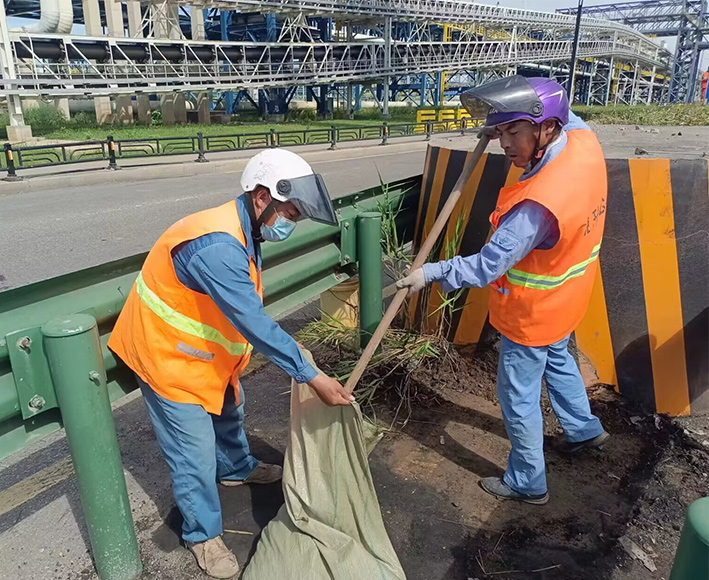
(508, 95)
(310, 197)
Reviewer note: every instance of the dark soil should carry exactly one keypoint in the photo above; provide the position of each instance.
(449, 434)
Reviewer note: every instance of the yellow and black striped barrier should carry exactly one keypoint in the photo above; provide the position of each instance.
(647, 327)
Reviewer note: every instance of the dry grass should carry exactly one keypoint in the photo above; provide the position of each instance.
(402, 352)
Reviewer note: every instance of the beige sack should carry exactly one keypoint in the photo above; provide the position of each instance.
(330, 527)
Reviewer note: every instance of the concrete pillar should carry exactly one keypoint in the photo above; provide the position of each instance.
(173, 11)
(197, 23)
(19, 133)
(114, 18)
(180, 109)
(61, 104)
(92, 17)
(203, 116)
(104, 113)
(167, 105)
(124, 110)
(145, 116)
(350, 107)
(135, 20)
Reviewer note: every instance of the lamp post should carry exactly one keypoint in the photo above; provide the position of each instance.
(574, 51)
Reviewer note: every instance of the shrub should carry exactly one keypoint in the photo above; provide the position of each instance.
(302, 115)
(4, 122)
(675, 114)
(83, 120)
(45, 119)
(156, 116)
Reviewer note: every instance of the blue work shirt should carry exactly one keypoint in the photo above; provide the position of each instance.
(525, 227)
(218, 265)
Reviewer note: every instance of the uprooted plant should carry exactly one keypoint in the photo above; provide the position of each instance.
(402, 352)
(406, 348)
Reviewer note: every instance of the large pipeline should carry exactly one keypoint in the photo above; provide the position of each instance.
(48, 18)
(52, 49)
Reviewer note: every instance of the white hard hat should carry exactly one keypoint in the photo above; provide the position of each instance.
(289, 177)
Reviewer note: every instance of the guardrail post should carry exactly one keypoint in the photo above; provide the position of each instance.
(692, 556)
(463, 123)
(112, 153)
(429, 130)
(369, 254)
(273, 139)
(74, 355)
(333, 138)
(10, 159)
(200, 149)
(385, 133)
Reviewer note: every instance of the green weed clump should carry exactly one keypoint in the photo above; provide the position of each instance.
(676, 114)
(402, 352)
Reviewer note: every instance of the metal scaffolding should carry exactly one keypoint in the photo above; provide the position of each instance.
(348, 48)
(685, 20)
(55, 65)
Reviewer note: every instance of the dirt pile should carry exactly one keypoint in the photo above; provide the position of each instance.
(449, 434)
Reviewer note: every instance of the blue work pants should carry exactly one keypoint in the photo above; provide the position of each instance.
(200, 449)
(519, 384)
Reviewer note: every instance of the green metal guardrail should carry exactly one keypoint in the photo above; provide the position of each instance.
(113, 150)
(315, 258)
(55, 366)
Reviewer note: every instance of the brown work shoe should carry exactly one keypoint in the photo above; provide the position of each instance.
(215, 559)
(264, 473)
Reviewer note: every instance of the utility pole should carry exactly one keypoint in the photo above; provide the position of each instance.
(574, 51)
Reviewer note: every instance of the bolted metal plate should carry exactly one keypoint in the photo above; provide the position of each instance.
(30, 370)
(348, 242)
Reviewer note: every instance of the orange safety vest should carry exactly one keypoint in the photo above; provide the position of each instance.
(177, 340)
(543, 298)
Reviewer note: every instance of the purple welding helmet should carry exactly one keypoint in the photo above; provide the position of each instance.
(516, 98)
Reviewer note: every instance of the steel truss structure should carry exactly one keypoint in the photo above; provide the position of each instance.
(685, 20)
(430, 47)
(56, 65)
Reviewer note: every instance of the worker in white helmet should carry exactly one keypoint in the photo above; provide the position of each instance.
(187, 331)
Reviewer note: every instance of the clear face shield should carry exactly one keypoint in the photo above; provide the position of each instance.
(310, 197)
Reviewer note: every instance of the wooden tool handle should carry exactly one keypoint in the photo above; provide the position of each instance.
(419, 261)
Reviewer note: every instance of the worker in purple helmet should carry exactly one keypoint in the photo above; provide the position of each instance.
(540, 224)
(502, 103)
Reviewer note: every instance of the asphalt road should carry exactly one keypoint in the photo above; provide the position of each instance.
(49, 233)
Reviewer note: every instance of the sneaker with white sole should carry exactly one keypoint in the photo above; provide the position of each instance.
(214, 558)
(263, 473)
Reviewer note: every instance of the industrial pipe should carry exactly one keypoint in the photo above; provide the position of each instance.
(74, 355)
(48, 18)
(66, 17)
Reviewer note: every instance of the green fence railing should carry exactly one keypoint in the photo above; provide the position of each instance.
(56, 368)
(315, 258)
(113, 150)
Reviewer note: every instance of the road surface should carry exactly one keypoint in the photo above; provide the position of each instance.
(49, 233)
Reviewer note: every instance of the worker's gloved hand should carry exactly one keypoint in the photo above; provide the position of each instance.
(415, 281)
(330, 391)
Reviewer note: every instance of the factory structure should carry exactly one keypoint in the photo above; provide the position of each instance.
(212, 58)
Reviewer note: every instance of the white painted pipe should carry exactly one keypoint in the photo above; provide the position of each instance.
(48, 18)
(66, 17)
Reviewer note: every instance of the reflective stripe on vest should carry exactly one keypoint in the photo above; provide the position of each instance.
(539, 282)
(186, 324)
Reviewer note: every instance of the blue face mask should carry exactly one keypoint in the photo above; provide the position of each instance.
(281, 229)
